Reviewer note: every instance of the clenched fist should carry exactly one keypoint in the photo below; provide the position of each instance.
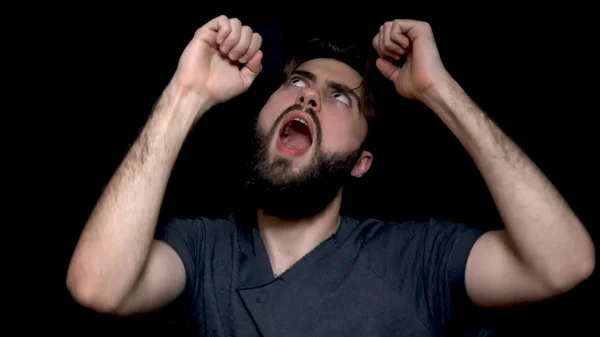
(423, 69)
(209, 63)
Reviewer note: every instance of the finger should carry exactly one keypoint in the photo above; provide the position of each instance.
(385, 34)
(252, 68)
(233, 37)
(413, 29)
(391, 49)
(242, 46)
(398, 36)
(255, 45)
(381, 45)
(383, 49)
(212, 30)
(376, 43)
(387, 68)
(221, 27)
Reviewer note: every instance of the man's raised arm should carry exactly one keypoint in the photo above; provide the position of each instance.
(117, 267)
(544, 249)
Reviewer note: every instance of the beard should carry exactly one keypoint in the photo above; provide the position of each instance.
(279, 191)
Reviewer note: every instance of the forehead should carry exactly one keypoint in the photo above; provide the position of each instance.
(332, 70)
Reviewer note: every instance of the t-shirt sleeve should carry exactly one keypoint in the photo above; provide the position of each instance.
(186, 237)
(446, 249)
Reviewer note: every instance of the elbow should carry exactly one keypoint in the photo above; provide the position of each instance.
(576, 273)
(588, 266)
(88, 293)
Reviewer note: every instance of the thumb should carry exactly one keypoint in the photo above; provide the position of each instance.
(387, 68)
(253, 67)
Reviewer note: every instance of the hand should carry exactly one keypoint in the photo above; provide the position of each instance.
(423, 69)
(209, 64)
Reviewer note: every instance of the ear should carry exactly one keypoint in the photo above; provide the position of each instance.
(362, 165)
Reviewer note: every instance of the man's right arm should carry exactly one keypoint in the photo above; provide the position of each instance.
(117, 262)
(117, 266)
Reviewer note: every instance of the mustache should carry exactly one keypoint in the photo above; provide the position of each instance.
(299, 107)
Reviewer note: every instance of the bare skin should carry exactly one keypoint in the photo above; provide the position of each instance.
(343, 126)
(544, 249)
(118, 268)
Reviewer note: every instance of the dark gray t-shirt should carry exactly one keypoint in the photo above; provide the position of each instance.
(371, 278)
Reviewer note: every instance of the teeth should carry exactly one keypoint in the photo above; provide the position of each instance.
(301, 121)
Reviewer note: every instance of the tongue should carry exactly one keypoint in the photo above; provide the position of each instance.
(296, 139)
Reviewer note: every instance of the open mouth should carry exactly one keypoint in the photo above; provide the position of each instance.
(296, 134)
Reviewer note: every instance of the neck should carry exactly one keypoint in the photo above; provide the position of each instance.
(288, 240)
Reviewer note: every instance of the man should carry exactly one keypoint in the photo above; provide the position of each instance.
(296, 267)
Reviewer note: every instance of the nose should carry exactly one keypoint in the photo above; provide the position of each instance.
(309, 98)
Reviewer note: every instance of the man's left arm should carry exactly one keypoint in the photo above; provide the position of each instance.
(544, 249)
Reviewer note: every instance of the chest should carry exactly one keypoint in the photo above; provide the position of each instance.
(329, 299)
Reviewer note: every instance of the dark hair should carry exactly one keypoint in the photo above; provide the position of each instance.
(349, 54)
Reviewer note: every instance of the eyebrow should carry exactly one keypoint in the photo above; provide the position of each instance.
(333, 85)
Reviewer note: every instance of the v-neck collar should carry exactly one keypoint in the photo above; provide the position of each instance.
(256, 270)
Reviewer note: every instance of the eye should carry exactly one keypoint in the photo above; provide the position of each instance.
(296, 81)
(342, 97)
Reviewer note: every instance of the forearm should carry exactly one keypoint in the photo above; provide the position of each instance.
(115, 242)
(544, 232)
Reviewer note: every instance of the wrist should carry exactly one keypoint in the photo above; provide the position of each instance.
(451, 104)
(187, 102)
(177, 111)
(441, 94)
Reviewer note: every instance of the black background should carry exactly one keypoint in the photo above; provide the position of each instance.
(530, 70)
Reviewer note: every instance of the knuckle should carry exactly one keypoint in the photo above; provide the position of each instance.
(222, 17)
(234, 35)
(375, 40)
(388, 24)
(235, 21)
(397, 38)
(238, 47)
(242, 46)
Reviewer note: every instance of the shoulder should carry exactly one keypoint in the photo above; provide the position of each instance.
(371, 233)
(409, 246)
(378, 234)
(200, 221)
(198, 227)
